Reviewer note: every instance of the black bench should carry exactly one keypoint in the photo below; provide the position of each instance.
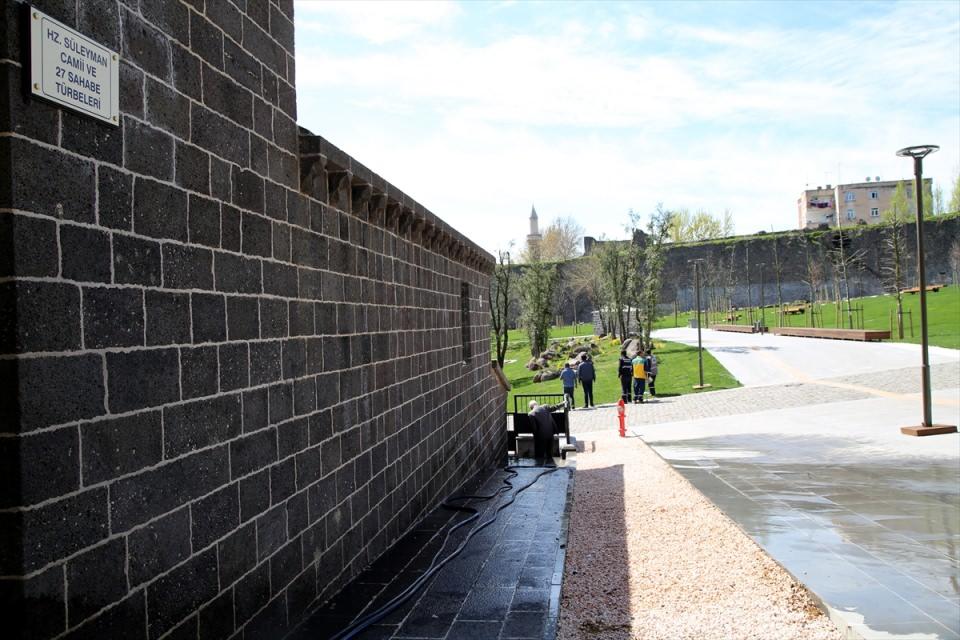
(521, 434)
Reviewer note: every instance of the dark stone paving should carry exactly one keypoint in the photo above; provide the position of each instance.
(505, 584)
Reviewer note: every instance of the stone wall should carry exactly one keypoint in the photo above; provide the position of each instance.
(235, 364)
(794, 250)
(743, 266)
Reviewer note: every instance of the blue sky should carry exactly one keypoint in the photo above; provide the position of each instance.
(479, 109)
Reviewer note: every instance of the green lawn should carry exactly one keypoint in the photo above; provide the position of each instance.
(943, 316)
(677, 366)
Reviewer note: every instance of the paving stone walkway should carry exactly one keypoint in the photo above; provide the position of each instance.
(817, 472)
(506, 583)
(742, 400)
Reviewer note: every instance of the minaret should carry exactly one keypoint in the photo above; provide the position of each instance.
(534, 237)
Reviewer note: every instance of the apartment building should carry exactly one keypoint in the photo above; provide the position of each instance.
(854, 203)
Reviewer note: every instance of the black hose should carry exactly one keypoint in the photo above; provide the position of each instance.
(373, 617)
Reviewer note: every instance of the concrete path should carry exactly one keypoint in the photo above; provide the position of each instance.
(809, 461)
(762, 359)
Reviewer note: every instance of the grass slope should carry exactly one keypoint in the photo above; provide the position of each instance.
(943, 316)
(677, 365)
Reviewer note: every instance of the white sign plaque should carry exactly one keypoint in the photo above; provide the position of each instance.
(73, 70)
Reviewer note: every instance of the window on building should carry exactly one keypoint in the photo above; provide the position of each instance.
(850, 196)
(874, 212)
(465, 320)
(874, 195)
(850, 214)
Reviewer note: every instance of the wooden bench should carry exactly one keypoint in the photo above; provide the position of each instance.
(915, 290)
(794, 311)
(738, 328)
(863, 335)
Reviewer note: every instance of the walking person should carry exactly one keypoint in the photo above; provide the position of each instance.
(625, 372)
(569, 379)
(587, 375)
(651, 369)
(638, 365)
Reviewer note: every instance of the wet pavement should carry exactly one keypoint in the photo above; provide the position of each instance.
(505, 584)
(877, 540)
(810, 462)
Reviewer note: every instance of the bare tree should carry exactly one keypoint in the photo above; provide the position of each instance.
(560, 241)
(499, 298)
(585, 279)
(537, 291)
(955, 261)
(895, 245)
(615, 270)
(778, 272)
(844, 259)
(652, 273)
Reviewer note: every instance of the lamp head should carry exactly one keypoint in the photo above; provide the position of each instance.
(919, 151)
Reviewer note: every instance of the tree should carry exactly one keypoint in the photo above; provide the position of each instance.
(560, 241)
(895, 245)
(537, 290)
(778, 272)
(499, 298)
(938, 209)
(584, 279)
(687, 227)
(652, 278)
(614, 260)
(955, 196)
(899, 202)
(955, 261)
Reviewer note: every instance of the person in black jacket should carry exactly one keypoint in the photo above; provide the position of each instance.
(543, 428)
(587, 375)
(625, 372)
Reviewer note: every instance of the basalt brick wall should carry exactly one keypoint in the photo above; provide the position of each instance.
(233, 363)
(866, 277)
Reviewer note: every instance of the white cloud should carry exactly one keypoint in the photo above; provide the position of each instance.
(475, 128)
(376, 21)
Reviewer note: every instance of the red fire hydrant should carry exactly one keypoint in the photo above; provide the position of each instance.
(622, 417)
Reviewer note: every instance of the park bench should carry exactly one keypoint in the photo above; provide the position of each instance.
(863, 335)
(794, 311)
(738, 328)
(520, 433)
(915, 290)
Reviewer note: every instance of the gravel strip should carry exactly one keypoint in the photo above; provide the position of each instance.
(650, 557)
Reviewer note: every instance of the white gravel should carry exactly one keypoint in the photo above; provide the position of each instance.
(650, 557)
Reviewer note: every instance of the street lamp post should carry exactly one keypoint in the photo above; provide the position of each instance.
(696, 279)
(927, 428)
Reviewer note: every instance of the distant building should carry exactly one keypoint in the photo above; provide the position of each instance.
(534, 237)
(859, 202)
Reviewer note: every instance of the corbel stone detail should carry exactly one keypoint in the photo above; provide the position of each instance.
(360, 200)
(339, 190)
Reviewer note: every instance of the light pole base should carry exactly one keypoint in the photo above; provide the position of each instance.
(702, 386)
(928, 430)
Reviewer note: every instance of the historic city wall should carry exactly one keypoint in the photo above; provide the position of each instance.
(865, 276)
(742, 268)
(235, 364)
